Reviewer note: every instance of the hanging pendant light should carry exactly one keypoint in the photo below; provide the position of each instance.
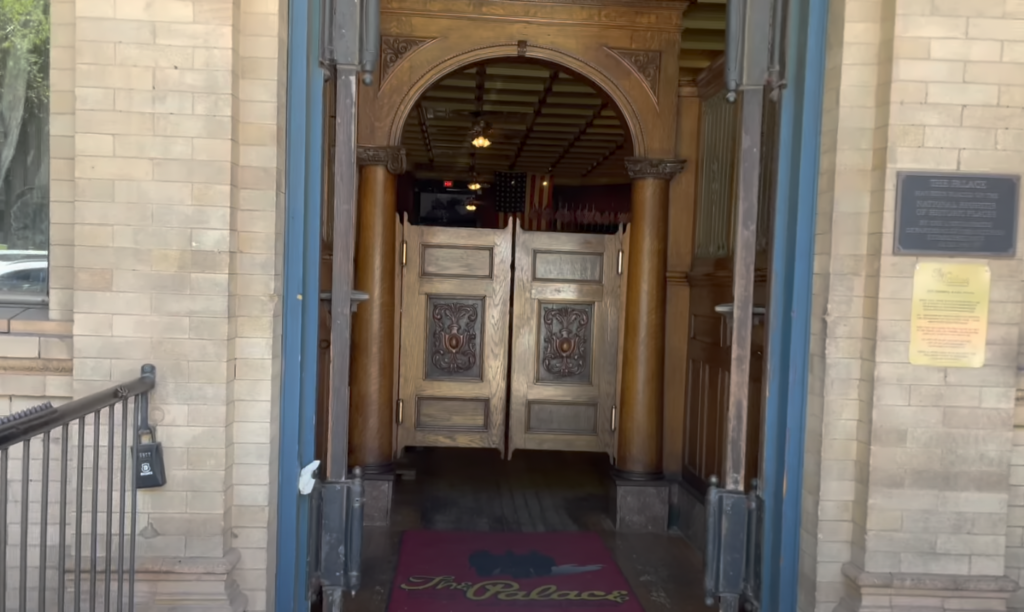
(481, 142)
(473, 186)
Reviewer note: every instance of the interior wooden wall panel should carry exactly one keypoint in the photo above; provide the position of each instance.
(710, 280)
(681, 215)
(323, 394)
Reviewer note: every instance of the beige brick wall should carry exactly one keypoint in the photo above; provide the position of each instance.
(915, 471)
(167, 141)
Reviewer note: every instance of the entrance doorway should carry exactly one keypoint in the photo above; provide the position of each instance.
(440, 270)
(515, 212)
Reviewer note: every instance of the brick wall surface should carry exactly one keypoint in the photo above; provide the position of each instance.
(916, 473)
(165, 140)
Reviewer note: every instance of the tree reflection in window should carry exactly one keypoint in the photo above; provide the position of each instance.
(24, 145)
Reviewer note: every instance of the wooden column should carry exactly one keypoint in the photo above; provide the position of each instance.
(643, 351)
(373, 324)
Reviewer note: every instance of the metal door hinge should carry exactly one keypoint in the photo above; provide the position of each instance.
(399, 413)
(732, 560)
(335, 538)
(614, 415)
(620, 262)
(405, 252)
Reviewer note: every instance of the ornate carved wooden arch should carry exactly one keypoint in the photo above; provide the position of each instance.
(627, 49)
(513, 50)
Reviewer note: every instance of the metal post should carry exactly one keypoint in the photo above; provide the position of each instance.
(349, 47)
(733, 516)
(753, 42)
(345, 190)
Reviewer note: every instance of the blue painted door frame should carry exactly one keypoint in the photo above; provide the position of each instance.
(300, 298)
(789, 313)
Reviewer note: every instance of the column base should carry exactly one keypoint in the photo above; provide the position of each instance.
(877, 592)
(640, 505)
(378, 489)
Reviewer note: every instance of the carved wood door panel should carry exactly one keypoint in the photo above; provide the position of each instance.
(454, 339)
(564, 341)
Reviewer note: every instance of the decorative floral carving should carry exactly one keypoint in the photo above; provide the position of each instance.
(454, 350)
(642, 167)
(566, 330)
(647, 65)
(393, 49)
(392, 157)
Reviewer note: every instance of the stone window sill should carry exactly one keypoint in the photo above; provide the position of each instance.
(31, 320)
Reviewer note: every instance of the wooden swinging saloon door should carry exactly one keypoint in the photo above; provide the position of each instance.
(565, 339)
(454, 337)
(454, 373)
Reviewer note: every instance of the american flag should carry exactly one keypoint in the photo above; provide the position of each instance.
(539, 205)
(509, 195)
(525, 195)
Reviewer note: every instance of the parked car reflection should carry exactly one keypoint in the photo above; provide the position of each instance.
(24, 271)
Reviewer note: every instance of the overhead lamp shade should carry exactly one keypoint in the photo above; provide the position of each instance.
(481, 142)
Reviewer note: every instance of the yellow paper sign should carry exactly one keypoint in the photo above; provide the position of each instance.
(949, 318)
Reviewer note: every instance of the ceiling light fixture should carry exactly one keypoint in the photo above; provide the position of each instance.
(473, 186)
(471, 207)
(481, 142)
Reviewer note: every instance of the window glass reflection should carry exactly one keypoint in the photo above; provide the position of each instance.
(24, 147)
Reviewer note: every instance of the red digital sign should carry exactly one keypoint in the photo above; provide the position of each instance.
(448, 183)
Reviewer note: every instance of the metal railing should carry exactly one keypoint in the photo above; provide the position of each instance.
(68, 501)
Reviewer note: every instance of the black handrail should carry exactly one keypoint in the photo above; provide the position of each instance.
(100, 576)
(29, 423)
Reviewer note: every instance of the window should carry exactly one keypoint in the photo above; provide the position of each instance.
(24, 148)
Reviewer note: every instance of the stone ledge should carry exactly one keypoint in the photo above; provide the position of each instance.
(31, 320)
(175, 565)
(18, 365)
(179, 584)
(929, 582)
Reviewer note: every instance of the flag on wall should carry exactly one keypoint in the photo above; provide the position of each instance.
(509, 195)
(539, 206)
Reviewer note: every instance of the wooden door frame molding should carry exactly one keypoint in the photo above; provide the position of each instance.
(592, 39)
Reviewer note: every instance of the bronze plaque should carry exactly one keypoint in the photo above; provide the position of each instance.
(454, 337)
(566, 340)
(956, 214)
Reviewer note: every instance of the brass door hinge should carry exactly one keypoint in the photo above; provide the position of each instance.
(405, 252)
(401, 410)
(620, 262)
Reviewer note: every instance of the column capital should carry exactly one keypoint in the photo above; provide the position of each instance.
(392, 157)
(642, 167)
